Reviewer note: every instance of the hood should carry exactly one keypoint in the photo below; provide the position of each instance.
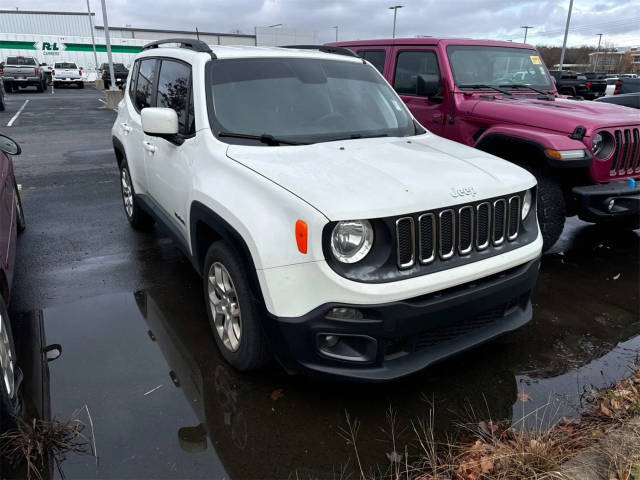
(562, 115)
(381, 177)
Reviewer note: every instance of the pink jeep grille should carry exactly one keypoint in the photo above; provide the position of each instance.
(626, 157)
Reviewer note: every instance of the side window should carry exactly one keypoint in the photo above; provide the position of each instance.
(144, 85)
(413, 69)
(174, 82)
(376, 57)
(132, 83)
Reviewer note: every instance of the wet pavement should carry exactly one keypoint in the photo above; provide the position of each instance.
(128, 310)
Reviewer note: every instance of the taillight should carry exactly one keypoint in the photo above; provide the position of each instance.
(588, 85)
(618, 85)
(36, 70)
(53, 72)
(80, 72)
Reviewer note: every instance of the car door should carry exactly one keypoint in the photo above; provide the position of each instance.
(167, 163)
(140, 95)
(413, 65)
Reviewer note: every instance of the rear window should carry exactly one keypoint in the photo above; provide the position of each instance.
(65, 65)
(20, 61)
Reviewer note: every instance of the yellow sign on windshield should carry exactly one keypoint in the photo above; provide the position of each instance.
(535, 59)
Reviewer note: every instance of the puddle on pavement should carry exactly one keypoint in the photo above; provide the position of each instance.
(164, 404)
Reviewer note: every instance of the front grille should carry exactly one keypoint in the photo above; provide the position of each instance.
(456, 231)
(626, 156)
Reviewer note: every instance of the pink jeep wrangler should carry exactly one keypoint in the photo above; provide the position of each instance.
(499, 97)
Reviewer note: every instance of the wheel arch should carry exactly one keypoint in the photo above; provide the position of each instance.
(118, 148)
(206, 227)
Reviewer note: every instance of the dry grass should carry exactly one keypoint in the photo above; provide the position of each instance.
(37, 442)
(490, 450)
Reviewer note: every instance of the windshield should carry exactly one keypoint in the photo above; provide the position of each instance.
(65, 65)
(303, 100)
(495, 66)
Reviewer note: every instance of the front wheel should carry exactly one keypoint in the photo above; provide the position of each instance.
(137, 217)
(551, 206)
(9, 372)
(233, 314)
(20, 221)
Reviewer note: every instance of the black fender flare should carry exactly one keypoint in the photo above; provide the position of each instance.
(118, 148)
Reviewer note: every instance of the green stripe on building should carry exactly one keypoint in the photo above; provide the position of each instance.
(17, 45)
(87, 47)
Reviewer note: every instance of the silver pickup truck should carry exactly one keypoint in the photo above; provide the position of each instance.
(22, 72)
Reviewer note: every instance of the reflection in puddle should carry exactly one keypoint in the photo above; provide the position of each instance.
(586, 331)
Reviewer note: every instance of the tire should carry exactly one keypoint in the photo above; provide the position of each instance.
(2, 106)
(21, 224)
(137, 217)
(39, 87)
(10, 374)
(551, 206)
(80, 84)
(106, 85)
(249, 351)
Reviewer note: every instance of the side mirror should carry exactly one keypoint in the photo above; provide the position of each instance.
(428, 85)
(9, 146)
(161, 122)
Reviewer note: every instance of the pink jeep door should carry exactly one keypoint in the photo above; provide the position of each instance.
(414, 72)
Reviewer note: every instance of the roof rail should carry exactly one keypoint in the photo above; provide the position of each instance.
(325, 49)
(189, 43)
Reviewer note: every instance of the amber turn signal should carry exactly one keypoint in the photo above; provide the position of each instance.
(301, 235)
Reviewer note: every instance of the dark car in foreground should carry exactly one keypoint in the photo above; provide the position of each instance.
(11, 223)
(631, 100)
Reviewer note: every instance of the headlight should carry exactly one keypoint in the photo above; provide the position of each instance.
(351, 241)
(603, 145)
(526, 204)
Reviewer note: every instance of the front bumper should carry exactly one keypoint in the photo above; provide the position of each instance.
(402, 337)
(593, 201)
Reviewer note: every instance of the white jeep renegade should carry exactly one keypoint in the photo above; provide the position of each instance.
(331, 230)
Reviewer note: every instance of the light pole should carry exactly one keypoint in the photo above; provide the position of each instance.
(395, 14)
(526, 30)
(336, 27)
(108, 42)
(566, 32)
(93, 40)
(595, 64)
(255, 30)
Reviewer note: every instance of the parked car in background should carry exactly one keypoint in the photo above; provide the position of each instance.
(580, 152)
(21, 72)
(577, 85)
(66, 73)
(11, 223)
(597, 84)
(627, 85)
(311, 176)
(611, 86)
(46, 69)
(2, 104)
(120, 72)
(631, 100)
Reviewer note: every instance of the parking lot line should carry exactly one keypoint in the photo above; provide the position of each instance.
(15, 117)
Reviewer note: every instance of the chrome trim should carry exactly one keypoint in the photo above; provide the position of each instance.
(425, 261)
(445, 256)
(489, 229)
(413, 243)
(518, 215)
(504, 223)
(466, 250)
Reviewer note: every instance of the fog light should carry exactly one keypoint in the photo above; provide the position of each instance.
(331, 340)
(612, 203)
(347, 347)
(344, 313)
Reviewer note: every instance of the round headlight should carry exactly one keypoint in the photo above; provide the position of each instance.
(526, 204)
(351, 241)
(602, 145)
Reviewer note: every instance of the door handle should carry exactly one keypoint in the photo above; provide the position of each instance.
(149, 147)
(436, 117)
(125, 128)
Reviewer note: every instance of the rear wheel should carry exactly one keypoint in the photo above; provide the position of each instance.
(137, 217)
(40, 87)
(9, 373)
(233, 313)
(2, 107)
(20, 221)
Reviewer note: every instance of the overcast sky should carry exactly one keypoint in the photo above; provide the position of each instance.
(618, 20)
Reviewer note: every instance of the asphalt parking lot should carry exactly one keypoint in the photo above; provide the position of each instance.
(127, 309)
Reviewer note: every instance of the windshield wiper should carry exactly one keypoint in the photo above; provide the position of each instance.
(264, 138)
(490, 87)
(524, 85)
(356, 136)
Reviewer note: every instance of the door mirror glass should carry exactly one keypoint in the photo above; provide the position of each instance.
(428, 85)
(9, 146)
(159, 122)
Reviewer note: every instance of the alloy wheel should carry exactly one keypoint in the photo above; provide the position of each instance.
(225, 307)
(7, 374)
(127, 192)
